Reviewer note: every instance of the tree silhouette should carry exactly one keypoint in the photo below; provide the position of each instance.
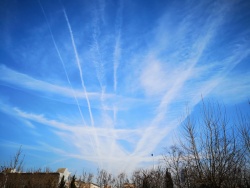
(168, 180)
(145, 183)
(72, 183)
(62, 183)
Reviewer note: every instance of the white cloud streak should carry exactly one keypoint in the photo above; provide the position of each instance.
(117, 47)
(24, 82)
(80, 137)
(12, 77)
(96, 51)
(166, 84)
(98, 18)
(79, 66)
(62, 62)
(157, 125)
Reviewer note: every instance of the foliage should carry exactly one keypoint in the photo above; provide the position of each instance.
(168, 180)
(62, 183)
(72, 183)
(104, 178)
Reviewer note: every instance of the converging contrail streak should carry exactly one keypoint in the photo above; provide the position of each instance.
(199, 45)
(63, 64)
(79, 66)
(60, 57)
(97, 146)
(97, 56)
(96, 51)
(117, 50)
(98, 62)
(116, 59)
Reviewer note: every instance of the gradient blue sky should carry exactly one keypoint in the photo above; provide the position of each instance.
(87, 84)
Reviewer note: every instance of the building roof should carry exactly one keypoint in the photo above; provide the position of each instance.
(61, 170)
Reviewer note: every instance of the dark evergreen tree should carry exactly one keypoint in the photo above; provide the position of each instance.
(168, 180)
(72, 184)
(145, 183)
(62, 183)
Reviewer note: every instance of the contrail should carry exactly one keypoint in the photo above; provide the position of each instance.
(96, 51)
(102, 8)
(199, 45)
(116, 60)
(63, 64)
(116, 57)
(117, 50)
(96, 54)
(97, 60)
(97, 147)
(91, 141)
(79, 66)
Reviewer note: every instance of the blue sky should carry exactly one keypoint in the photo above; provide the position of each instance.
(103, 84)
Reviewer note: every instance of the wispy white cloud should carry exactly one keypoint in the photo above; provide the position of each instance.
(11, 112)
(79, 66)
(17, 145)
(117, 47)
(232, 86)
(98, 20)
(98, 16)
(161, 124)
(80, 137)
(96, 140)
(10, 76)
(156, 76)
(101, 10)
(15, 79)
(63, 64)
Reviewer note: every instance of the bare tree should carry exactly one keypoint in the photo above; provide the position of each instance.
(137, 178)
(175, 164)
(154, 178)
(87, 177)
(168, 180)
(15, 163)
(120, 180)
(104, 179)
(212, 153)
(244, 128)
